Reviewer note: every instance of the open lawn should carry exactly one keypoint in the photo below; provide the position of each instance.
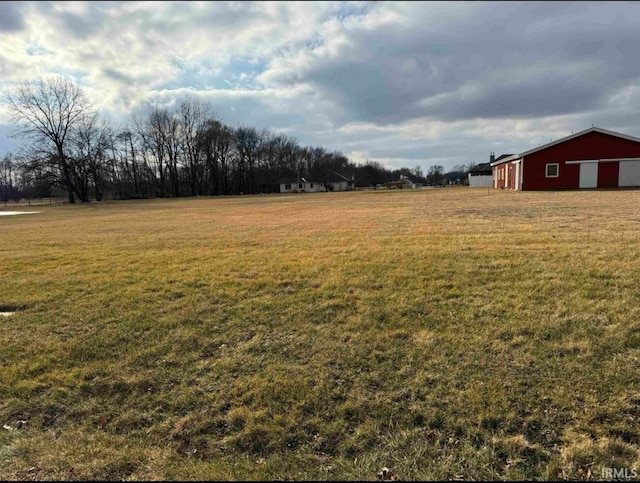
(441, 333)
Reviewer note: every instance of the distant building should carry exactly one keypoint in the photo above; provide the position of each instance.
(455, 177)
(481, 175)
(406, 182)
(336, 182)
(593, 158)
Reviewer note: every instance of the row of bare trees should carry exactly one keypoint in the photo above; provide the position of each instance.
(185, 151)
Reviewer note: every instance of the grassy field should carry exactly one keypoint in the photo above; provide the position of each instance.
(440, 333)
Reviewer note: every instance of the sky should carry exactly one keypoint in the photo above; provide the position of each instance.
(405, 84)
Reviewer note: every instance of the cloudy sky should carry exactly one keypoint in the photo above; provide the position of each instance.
(402, 83)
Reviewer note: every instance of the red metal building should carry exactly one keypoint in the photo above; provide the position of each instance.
(593, 158)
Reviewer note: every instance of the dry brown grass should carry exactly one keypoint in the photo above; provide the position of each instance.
(440, 333)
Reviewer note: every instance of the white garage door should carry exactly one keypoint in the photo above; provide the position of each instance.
(588, 175)
(629, 173)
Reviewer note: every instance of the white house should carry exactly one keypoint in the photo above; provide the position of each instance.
(405, 182)
(301, 185)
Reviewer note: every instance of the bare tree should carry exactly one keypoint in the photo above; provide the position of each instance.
(248, 140)
(153, 134)
(171, 137)
(277, 152)
(8, 189)
(164, 153)
(124, 162)
(193, 122)
(216, 143)
(326, 167)
(375, 172)
(435, 175)
(460, 168)
(91, 141)
(36, 177)
(46, 111)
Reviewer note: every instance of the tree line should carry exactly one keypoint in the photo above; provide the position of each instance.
(169, 152)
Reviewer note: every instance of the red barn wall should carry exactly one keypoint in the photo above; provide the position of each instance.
(608, 175)
(505, 174)
(593, 145)
(513, 168)
(500, 174)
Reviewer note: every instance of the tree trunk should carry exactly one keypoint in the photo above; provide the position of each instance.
(96, 185)
(69, 186)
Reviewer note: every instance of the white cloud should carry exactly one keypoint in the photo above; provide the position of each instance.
(399, 82)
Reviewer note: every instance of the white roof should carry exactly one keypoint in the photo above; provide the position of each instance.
(566, 138)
